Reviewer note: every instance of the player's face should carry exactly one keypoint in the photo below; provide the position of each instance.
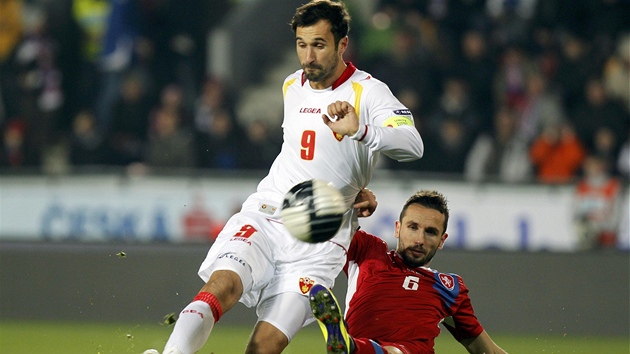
(420, 234)
(319, 56)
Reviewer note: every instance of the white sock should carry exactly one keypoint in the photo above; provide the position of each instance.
(192, 328)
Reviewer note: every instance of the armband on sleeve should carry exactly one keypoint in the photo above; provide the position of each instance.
(397, 121)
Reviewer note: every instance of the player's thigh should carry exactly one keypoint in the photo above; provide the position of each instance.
(304, 264)
(243, 247)
(287, 312)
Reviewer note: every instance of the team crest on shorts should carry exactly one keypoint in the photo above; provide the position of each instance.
(306, 284)
(447, 281)
(338, 136)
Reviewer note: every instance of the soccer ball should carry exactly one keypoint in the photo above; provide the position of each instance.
(313, 211)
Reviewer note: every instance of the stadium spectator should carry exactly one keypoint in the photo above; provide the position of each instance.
(455, 103)
(91, 16)
(260, 148)
(170, 145)
(597, 198)
(599, 111)
(616, 72)
(254, 259)
(557, 154)
(623, 159)
(541, 107)
(447, 156)
(510, 78)
(575, 67)
(39, 83)
(221, 146)
(606, 147)
(86, 145)
(449, 148)
(128, 133)
(116, 57)
(16, 151)
(176, 30)
(172, 99)
(214, 98)
(389, 290)
(502, 155)
(511, 19)
(477, 68)
(406, 65)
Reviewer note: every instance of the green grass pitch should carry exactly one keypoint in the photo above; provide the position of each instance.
(26, 337)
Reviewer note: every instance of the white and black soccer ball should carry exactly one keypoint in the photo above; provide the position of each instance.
(313, 211)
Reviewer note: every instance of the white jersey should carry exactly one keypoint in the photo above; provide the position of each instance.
(311, 149)
(254, 243)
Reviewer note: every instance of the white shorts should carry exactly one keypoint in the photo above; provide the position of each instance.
(268, 259)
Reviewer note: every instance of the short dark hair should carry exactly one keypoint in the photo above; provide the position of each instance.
(334, 12)
(430, 199)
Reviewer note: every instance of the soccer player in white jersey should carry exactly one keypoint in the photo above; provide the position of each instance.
(337, 121)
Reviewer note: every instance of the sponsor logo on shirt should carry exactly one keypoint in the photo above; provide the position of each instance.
(310, 110)
(232, 257)
(402, 112)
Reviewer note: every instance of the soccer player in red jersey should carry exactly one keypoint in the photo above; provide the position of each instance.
(395, 302)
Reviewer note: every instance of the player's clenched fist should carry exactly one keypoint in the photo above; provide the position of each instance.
(342, 118)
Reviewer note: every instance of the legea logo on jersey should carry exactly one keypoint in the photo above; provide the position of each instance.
(447, 281)
(310, 110)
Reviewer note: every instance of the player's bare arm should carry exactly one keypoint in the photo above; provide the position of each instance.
(365, 203)
(342, 118)
(482, 344)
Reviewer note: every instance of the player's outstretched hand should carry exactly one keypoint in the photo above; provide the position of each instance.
(342, 118)
(365, 203)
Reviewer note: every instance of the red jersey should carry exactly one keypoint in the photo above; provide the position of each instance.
(387, 301)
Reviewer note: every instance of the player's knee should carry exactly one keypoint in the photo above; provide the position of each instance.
(266, 339)
(263, 347)
(226, 285)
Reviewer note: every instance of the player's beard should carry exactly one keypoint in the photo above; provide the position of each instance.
(408, 257)
(319, 73)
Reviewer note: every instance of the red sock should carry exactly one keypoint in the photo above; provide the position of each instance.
(211, 300)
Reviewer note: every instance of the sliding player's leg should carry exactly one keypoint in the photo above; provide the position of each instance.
(329, 316)
(196, 320)
(236, 268)
(279, 319)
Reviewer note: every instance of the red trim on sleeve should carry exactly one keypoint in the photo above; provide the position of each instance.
(364, 134)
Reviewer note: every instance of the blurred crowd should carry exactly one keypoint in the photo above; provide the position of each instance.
(507, 90)
(118, 83)
(516, 91)
(501, 90)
